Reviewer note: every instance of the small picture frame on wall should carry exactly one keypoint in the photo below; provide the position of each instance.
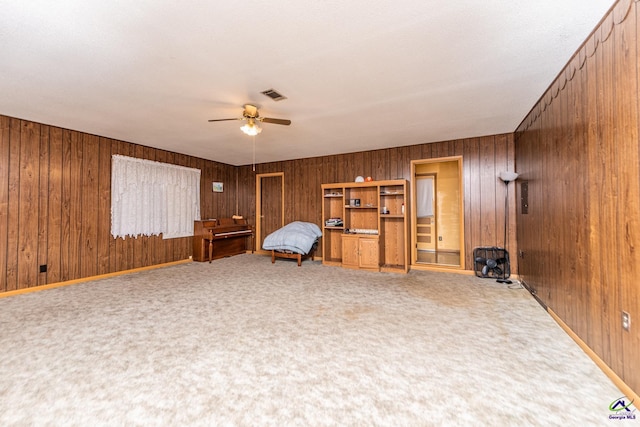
(218, 187)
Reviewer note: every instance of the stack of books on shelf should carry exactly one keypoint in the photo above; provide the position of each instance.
(333, 222)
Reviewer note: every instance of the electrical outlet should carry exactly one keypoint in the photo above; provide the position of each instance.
(626, 321)
(440, 238)
(43, 268)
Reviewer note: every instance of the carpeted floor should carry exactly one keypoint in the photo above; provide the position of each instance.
(244, 342)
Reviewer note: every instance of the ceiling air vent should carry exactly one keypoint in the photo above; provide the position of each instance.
(273, 95)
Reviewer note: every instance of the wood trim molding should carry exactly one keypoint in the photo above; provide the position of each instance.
(459, 159)
(88, 279)
(442, 269)
(629, 393)
(258, 198)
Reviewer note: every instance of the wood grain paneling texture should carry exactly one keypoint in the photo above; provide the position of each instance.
(483, 159)
(578, 150)
(55, 200)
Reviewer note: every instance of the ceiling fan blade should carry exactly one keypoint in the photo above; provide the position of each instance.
(224, 120)
(275, 121)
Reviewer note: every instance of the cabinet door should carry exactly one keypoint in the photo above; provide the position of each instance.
(350, 251)
(369, 255)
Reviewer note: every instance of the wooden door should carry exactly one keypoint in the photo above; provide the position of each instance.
(437, 235)
(269, 205)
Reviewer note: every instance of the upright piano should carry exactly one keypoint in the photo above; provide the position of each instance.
(218, 238)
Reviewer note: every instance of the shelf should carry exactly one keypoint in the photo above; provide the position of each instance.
(362, 234)
(388, 248)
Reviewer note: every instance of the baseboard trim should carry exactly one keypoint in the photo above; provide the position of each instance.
(90, 278)
(432, 267)
(628, 392)
(534, 294)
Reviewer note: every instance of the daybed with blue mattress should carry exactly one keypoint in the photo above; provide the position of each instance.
(296, 240)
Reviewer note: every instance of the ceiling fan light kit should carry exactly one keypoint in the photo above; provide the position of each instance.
(251, 128)
(252, 117)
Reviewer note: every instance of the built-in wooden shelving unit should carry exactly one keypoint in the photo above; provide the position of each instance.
(365, 225)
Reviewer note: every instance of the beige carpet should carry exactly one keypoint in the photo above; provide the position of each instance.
(244, 342)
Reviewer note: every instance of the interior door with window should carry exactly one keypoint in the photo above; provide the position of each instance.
(437, 213)
(425, 214)
(269, 205)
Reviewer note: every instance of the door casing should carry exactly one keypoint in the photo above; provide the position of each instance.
(259, 205)
(414, 163)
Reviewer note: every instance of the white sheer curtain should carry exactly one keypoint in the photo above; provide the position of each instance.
(424, 194)
(151, 198)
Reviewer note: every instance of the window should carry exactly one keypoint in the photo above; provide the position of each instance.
(152, 198)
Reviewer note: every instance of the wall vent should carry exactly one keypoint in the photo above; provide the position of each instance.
(271, 93)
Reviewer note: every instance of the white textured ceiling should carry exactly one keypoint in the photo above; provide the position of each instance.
(359, 75)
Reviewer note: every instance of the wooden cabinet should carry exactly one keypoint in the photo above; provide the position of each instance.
(366, 225)
(361, 252)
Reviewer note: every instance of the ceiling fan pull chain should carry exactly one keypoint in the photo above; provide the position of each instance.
(254, 153)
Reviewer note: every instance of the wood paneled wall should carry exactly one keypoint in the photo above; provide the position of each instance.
(483, 160)
(55, 205)
(55, 195)
(578, 150)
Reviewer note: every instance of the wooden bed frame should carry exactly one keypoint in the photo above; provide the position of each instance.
(299, 257)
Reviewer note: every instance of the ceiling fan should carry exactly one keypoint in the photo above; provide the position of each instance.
(251, 115)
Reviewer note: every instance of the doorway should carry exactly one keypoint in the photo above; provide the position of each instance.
(269, 205)
(437, 235)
